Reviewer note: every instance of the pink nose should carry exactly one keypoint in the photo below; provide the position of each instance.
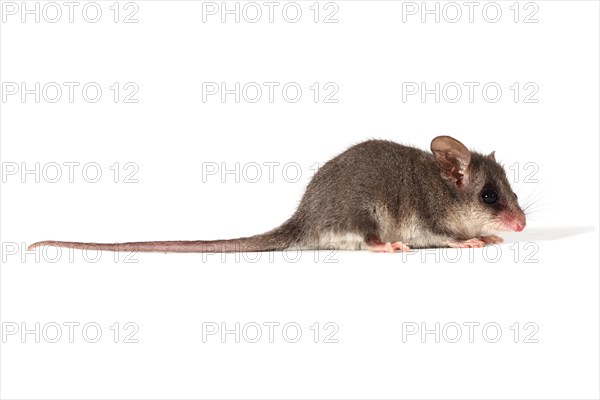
(519, 227)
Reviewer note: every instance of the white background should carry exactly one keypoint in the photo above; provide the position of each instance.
(546, 275)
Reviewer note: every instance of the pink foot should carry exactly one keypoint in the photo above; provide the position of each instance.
(400, 246)
(467, 244)
(389, 247)
(492, 239)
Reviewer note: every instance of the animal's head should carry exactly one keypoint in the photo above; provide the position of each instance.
(482, 184)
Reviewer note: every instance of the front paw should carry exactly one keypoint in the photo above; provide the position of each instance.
(492, 239)
(467, 244)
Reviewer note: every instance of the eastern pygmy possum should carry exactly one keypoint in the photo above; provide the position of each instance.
(381, 196)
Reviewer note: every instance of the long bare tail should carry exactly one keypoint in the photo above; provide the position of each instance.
(277, 239)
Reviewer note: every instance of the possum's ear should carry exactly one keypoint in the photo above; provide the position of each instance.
(492, 156)
(453, 159)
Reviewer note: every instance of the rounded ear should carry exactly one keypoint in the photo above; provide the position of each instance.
(453, 159)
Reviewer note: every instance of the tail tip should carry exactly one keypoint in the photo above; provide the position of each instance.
(38, 244)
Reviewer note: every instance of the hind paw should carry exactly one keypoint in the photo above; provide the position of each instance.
(389, 247)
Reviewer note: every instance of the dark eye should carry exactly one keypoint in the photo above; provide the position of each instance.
(489, 197)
